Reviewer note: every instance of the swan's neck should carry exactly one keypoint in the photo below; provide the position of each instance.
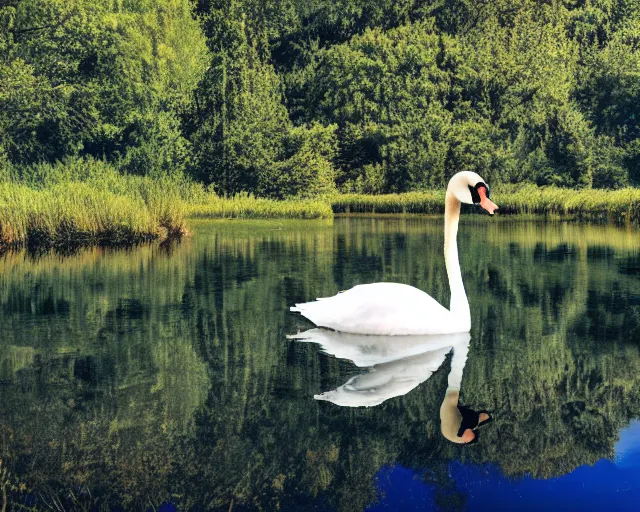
(459, 303)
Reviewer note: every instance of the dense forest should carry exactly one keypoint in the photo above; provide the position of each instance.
(303, 97)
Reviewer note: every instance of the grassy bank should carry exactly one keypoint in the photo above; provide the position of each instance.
(90, 203)
(619, 206)
(245, 206)
(410, 202)
(64, 210)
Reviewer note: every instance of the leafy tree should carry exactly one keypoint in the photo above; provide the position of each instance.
(244, 138)
(518, 91)
(386, 93)
(240, 115)
(610, 90)
(307, 169)
(84, 78)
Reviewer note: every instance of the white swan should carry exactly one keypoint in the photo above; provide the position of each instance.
(400, 309)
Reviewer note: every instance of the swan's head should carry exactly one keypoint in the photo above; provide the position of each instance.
(468, 187)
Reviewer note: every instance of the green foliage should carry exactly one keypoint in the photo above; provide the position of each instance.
(307, 170)
(243, 137)
(87, 202)
(415, 106)
(286, 99)
(619, 206)
(386, 91)
(78, 77)
(157, 147)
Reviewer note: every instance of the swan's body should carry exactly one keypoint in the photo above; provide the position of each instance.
(399, 309)
(383, 309)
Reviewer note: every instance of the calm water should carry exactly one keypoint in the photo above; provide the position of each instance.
(162, 377)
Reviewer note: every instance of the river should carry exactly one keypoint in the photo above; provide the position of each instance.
(161, 377)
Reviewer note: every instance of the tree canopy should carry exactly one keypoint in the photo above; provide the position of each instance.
(290, 98)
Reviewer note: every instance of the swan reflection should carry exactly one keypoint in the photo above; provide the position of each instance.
(396, 365)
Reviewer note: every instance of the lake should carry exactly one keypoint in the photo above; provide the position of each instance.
(162, 378)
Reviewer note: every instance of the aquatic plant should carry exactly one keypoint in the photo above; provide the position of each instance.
(249, 207)
(77, 214)
(88, 202)
(620, 206)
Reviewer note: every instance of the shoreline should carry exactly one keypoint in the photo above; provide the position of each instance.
(131, 210)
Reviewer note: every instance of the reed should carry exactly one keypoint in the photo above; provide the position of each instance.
(410, 202)
(618, 206)
(88, 202)
(246, 206)
(72, 214)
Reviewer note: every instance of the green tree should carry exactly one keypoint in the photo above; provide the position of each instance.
(307, 168)
(240, 118)
(78, 77)
(610, 92)
(243, 136)
(386, 92)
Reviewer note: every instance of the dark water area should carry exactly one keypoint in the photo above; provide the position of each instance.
(162, 378)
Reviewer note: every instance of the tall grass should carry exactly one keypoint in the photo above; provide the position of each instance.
(246, 206)
(619, 206)
(88, 202)
(410, 202)
(60, 209)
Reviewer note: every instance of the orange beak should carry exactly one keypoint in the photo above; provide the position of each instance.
(485, 202)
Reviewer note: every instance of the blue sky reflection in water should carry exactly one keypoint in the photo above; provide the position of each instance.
(607, 485)
(163, 374)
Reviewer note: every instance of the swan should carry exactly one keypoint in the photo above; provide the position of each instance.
(398, 309)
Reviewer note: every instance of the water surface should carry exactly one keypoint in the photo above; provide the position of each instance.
(163, 376)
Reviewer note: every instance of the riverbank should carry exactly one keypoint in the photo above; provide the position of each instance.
(69, 214)
(66, 208)
(617, 206)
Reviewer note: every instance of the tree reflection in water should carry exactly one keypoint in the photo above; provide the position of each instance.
(130, 378)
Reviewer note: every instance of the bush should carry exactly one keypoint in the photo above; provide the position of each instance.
(155, 146)
(308, 171)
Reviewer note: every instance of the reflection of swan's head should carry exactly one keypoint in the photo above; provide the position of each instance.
(470, 422)
(458, 423)
(468, 436)
(468, 187)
